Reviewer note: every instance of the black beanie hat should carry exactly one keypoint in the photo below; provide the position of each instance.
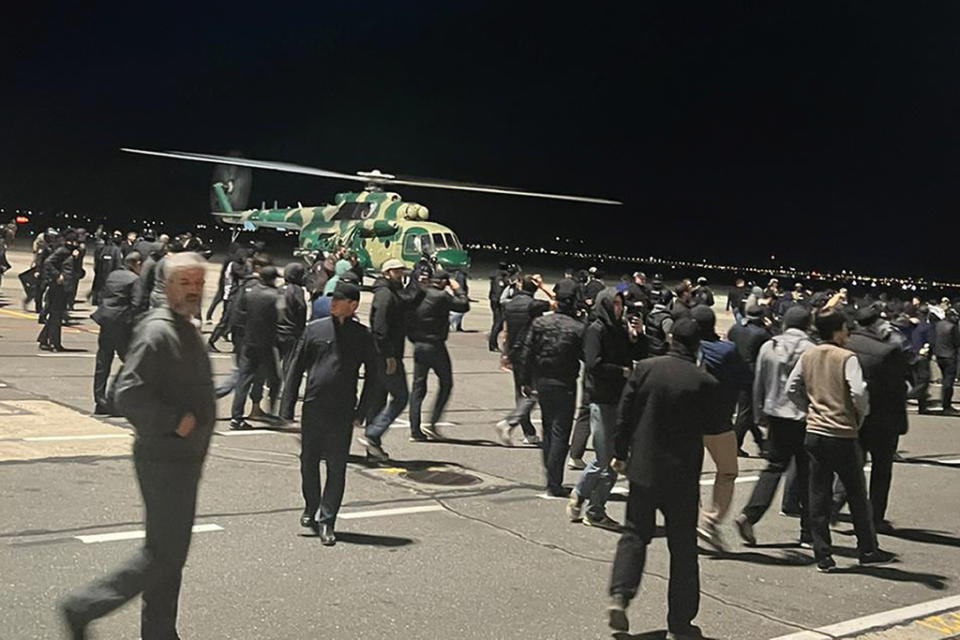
(796, 317)
(686, 332)
(706, 320)
(346, 291)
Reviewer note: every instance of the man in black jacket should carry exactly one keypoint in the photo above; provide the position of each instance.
(498, 280)
(293, 317)
(388, 319)
(332, 350)
(106, 260)
(165, 390)
(946, 344)
(58, 276)
(549, 360)
(115, 317)
(749, 337)
(609, 349)
(665, 407)
(885, 371)
(518, 313)
(429, 326)
(257, 361)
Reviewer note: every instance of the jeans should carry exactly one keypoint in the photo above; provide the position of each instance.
(581, 425)
(598, 478)
(722, 448)
(677, 500)
(948, 369)
(557, 404)
(396, 386)
(745, 420)
(496, 327)
(841, 456)
(524, 406)
(882, 445)
(427, 356)
(786, 446)
(112, 339)
(326, 436)
(921, 383)
(170, 497)
(257, 364)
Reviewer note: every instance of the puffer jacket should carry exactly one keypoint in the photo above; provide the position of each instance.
(551, 351)
(775, 361)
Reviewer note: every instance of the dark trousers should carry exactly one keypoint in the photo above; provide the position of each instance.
(217, 299)
(523, 406)
(679, 505)
(745, 420)
(948, 369)
(396, 386)
(325, 436)
(497, 325)
(38, 297)
(223, 325)
(793, 491)
(54, 311)
(581, 425)
(170, 496)
(557, 404)
(786, 441)
(921, 383)
(112, 339)
(257, 364)
(882, 446)
(427, 356)
(841, 456)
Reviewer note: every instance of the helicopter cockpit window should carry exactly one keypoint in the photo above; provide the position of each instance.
(426, 244)
(354, 211)
(439, 241)
(452, 242)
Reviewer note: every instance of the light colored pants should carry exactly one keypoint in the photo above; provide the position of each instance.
(598, 478)
(723, 450)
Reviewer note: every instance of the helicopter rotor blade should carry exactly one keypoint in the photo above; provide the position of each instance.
(247, 162)
(485, 188)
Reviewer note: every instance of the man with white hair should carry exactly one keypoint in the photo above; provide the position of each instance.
(165, 390)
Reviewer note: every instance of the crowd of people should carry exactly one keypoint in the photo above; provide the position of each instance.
(818, 379)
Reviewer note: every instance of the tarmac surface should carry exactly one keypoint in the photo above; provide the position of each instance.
(481, 555)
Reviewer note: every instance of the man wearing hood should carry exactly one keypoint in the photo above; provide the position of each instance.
(107, 259)
(657, 325)
(341, 267)
(609, 349)
(749, 337)
(152, 252)
(785, 422)
(946, 346)
(388, 319)
(702, 294)
(293, 317)
(658, 440)
(723, 362)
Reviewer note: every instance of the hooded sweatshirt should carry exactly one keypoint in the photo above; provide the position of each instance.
(339, 269)
(776, 360)
(293, 318)
(608, 351)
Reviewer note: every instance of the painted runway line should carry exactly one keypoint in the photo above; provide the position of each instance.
(135, 535)
(97, 436)
(379, 513)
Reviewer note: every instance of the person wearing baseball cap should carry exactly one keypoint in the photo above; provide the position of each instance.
(331, 351)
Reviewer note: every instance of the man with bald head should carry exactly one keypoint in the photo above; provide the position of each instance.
(165, 390)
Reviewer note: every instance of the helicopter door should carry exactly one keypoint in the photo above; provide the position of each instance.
(414, 243)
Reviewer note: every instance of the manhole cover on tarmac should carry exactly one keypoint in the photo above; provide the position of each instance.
(444, 478)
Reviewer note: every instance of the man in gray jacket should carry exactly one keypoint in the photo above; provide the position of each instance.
(786, 422)
(165, 389)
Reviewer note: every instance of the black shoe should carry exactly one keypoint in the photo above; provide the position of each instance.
(827, 565)
(950, 411)
(885, 527)
(687, 632)
(101, 410)
(617, 614)
(327, 537)
(603, 522)
(59, 349)
(45, 346)
(742, 454)
(561, 492)
(76, 627)
(417, 437)
(240, 425)
(877, 558)
(307, 521)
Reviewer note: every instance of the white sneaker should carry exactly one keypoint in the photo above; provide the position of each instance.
(531, 439)
(503, 429)
(576, 464)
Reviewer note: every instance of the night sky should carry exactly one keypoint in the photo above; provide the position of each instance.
(825, 134)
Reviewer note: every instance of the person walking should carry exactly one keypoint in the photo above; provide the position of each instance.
(293, 315)
(165, 390)
(827, 382)
(331, 351)
(549, 362)
(429, 327)
(749, 337)
(115, 317)
(107, 259)
(785, 422)
(921, 340)
(388, 319)
(609, 349)
(946, 346)
(721, 359)
(257, 357)
(58, 275)
(658, 443)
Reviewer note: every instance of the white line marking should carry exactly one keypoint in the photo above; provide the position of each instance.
(251, 432)
(135, 535)
(378, 513)
(66, 355)
(883, 619)
(99, 436)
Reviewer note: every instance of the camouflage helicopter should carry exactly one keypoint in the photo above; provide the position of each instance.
(374, 223)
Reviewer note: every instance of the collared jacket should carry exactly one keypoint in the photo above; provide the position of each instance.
(388, 316)
(116, 300)
(259, 307)
(165, 376)
(59, 263)
(775, 362)
(429, 318)
(552, 351)
(331, 353)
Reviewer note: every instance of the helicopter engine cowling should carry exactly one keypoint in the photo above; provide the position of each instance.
(414, 211)
(378, 228)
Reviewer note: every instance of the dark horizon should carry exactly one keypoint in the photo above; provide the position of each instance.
(824, 135)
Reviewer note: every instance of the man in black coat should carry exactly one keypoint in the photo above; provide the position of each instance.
(428, 327)
(165, 390)
(666, 405)
(388, 318)
(518, 313)
(293, 316)
(58, 276)
(549, 360)
(946, 345)
(257, 359)
(885, 371)
(749, 337)
(115, 317)
(106, 259)
(332, 350)
(498, 280)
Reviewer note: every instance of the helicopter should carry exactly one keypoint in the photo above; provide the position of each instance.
(375, 224)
